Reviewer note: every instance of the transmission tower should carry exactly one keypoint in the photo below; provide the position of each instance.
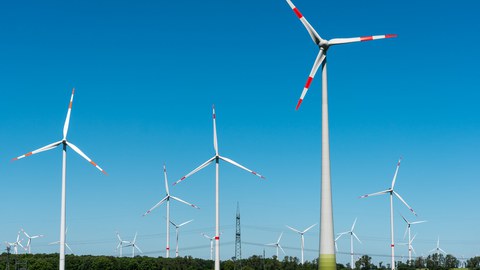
(238, 242)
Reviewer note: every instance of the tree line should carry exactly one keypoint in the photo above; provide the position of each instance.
(88, 262)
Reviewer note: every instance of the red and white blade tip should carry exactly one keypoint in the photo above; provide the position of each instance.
(368, 38)
(259, 175)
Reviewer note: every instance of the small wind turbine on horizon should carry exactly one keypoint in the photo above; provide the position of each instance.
(66, 244)
(211, 244)
(216, 158)
(120, 244)
(302, 239)
(134, 245)
(167, 199)
(407, 230)
(176, 233)
(352, 235)
(29, 242)
(327, 259)
(64, 144)
(15, 244)
(410, 247)
(392, 192)
(438, 249)
(277, 245)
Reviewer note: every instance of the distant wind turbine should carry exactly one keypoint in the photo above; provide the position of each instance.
(211, 244)
(277, 245)
(64, 144)
(392, 192)
(15, 244)
(302, 239)
(327, 259)
(66, 244)
(407, 230)
(438, 249)
(352, 235)
(176, 233)
(134, 245)
(29, 242)
(410, 247)
(120, 244)
(216, 158)
(167, 199)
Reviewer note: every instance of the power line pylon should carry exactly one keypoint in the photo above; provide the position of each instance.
(238, 242)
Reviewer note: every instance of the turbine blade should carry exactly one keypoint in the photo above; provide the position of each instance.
(375, 194)
(67, 119)
(404, 202)
(76, 149)
(337, 41)
(313, 34)
(206, 236)
(316, 65)
(280, 237)
(295, 230)
(442, 251)
(187, 203)
(353, 226)
(405, 234)
(68, 247)
(215, 143)
(413, 250)
(45, 148)
(356, 237)
(156, 205)
(196, 170)
(396, 172)
(307, 229)
(138, 248)
(166, 178)
(418, 222)
(240, 166)
(184, 223)
(282, 249)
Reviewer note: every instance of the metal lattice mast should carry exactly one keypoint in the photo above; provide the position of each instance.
(238, 241)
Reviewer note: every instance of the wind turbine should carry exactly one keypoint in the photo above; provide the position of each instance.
(29, 242)
(301, 235)
(327, 260)
(134, 246)
(167, 199)
(211, 244)
(410, 248)
(66, 244)
(120, 244)
(176, 233)
(15, 244)
(216, 158)
(409, 224)
(438, 249)
(392, 192)
(277, 245)
(352, 235)
(64, 144)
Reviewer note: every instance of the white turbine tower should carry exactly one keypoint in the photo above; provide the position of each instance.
(167, 199)
(327, 260)
(407, 230)
(302, 239)
(177, 227)
(120, 244)
(29, 242)
(410, 247)
(352, 235)
(211, 244)
(64, 143)
(216, 158)
(438, 249)
(134, 245)
(277, 245)
(392, 192)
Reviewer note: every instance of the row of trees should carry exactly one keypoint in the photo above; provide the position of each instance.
(87, 262)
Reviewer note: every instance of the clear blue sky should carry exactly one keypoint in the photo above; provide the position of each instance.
(147, 75)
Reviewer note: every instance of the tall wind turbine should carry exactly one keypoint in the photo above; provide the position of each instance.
(64, 143)
(29, 242)
(392, 192)
(409, 224)
(438, 249)
(211, 244)
(134, 246)
(302, 239)
(167, 199)
(216, 158)
(352, 235)
(327, 260)
(176, 233)
(277, 245)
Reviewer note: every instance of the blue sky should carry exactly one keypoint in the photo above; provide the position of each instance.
(147, 75)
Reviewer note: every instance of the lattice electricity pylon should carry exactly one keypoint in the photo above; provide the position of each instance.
(238, 242)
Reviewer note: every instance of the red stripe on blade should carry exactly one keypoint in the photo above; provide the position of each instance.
(93, 163)
(299, 15)
(28, 154)
(391, 36)
(309, 81)
(366, 38)
(70, 105)
(298, 104)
